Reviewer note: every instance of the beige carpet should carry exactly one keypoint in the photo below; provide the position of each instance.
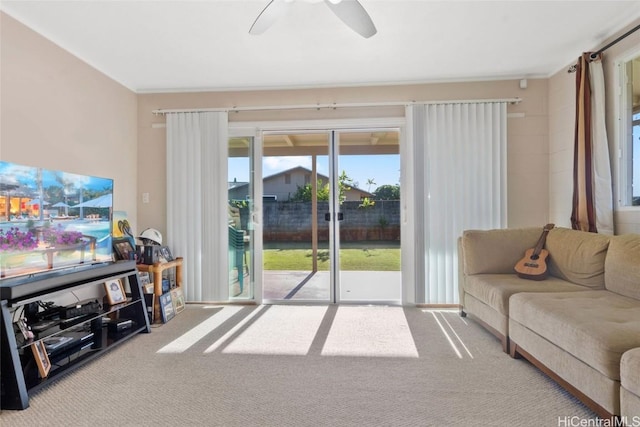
(304, 366)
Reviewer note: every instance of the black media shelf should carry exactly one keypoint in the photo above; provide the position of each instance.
(69, 343)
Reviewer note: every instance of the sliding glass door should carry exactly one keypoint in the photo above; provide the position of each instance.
(331, 216)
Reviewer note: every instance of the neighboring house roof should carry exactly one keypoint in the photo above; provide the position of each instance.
(236, 184)
(295, 169)
(321, 176)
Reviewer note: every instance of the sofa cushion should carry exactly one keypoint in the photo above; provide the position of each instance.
(495, 289)
(577, 256)
(595, 326)
(622, 266)
(630, 371)
(496, 251)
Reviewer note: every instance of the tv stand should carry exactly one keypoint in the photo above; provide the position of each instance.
(68, 343)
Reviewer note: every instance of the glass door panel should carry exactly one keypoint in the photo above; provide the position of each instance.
(296, 193)
(240, 210)
(369, 235)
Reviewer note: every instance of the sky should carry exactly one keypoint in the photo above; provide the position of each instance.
(383, 169)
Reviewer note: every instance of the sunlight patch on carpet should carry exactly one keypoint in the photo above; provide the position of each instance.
(198, 332)
(283, 330)
(370, 332)
(233, 331)
(449, 332)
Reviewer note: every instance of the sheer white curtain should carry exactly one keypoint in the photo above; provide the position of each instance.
(197, 148)
(603, 197)
(460, 183)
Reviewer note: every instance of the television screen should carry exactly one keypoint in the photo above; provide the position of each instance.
(51, 220)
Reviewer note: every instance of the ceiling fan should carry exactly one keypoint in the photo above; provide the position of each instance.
(350, 12)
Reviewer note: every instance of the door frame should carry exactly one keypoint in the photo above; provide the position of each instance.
(255, 131)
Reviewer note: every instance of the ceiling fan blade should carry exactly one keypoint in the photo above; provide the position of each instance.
(353, 14)
(269, 15)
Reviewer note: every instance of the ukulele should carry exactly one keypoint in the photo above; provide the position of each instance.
(533, 265)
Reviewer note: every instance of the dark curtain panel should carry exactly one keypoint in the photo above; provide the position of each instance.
(583, 213)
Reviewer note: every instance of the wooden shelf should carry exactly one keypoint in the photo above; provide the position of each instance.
(157, 269)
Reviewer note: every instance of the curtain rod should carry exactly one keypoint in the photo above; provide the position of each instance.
(595, 54)
(332, 106)
(622, 37)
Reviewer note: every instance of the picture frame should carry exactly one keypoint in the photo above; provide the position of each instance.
(177, 296)
(123, 249)
(42, 358)
(26, 331)
(165, 253)
(115, 292)
(167, 311)
(144, 277)
(149, 288)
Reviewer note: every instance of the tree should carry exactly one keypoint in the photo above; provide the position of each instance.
(303, 194)
(344, 185)
(370, 182)
(387, 192)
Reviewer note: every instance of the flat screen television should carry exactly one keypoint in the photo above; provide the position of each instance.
(52, 220)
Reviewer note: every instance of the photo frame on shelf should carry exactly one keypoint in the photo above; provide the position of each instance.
(149, 288)
(115, 292)
(42, 358)
(167, 311)
(26, 331)
(123, 249)
(178, 299)
(165, 254)
(144, 277)
(145, 282)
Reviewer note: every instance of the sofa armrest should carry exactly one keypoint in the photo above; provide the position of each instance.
(496, 251)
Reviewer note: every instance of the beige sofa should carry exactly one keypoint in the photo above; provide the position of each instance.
(576, 324)
(630, 390)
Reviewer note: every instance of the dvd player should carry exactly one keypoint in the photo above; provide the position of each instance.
(59, 343)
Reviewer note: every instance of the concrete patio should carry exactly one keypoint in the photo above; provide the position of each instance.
(356, 286)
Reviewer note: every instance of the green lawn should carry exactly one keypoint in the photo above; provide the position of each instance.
(363, 259)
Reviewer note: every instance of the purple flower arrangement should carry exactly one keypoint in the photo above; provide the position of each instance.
(16, 240)
(59, 237)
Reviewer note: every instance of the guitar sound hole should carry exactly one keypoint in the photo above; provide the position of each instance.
(534, 257)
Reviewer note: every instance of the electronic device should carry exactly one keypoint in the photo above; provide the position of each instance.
(68, 342)
(56, 342)
(44, 325)
(115, 326)
(52, 312)
(67, 323)
(79, 309)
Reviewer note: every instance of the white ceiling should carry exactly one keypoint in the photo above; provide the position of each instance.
(160, 46)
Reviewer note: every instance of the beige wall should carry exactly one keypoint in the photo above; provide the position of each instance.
(561, 128)
(527, 149)
(59, 113)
